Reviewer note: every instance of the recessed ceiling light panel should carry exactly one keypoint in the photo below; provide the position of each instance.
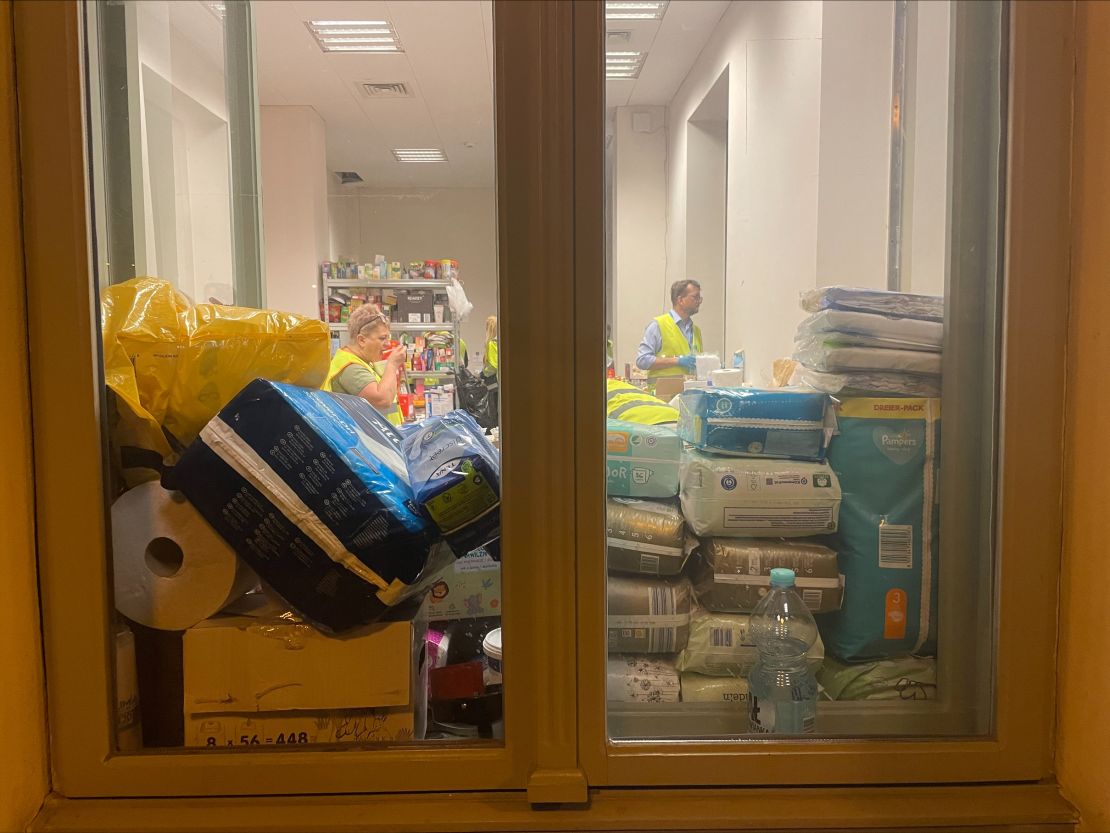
(419, 155)
(355, 35)
(623, 65)
(635, 9)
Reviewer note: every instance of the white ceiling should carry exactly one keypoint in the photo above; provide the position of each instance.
(448, 65)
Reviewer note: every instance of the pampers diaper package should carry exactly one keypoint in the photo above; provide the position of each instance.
(887, 458)
(642, 460)
(794, 425)
(748, 498)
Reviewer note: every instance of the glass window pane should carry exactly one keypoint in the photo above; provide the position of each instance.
(803, 225)
(296, 245)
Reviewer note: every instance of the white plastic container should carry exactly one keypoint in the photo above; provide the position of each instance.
(491, 647)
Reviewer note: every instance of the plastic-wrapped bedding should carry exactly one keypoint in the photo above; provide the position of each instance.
(721, 645)
(736, 497)
(865, 329)
(830, 357)
(887, 458)
(871, 383)
(641, 679)
(731, 575)
(794, 425)
(311, 490)
(645, 536)
(881, 301)
(642, 460)
(898, 678)
(456, 474)
(648, 616)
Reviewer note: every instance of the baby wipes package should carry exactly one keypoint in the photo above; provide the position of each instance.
(455, 474)
(747, 422)
(645, 536)
(721, 644)
(642, 460)
(749, 498)
(887, 459)
(641, 679)
(731, 575)
(311, 490)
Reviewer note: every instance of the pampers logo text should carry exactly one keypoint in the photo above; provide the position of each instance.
(899, 440)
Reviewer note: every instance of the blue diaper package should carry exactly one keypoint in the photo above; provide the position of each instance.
(642, 460)
(311, 490)
(887, 458)
(746, 422)
(456, 478)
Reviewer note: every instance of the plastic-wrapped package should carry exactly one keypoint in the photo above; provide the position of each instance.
(881, 301)
(898, 678)
(731, 575)
(455, 475)
(641, 679)
(642, 460)
(311, 490)
(643, 536)
(747, 498)
(864, 329)
(702, 688)
(746, 422)
(721, 644)
(887, 458)
(871, 383)
(648, 616)
(831, 357)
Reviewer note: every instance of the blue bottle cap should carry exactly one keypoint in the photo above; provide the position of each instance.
(782, 577)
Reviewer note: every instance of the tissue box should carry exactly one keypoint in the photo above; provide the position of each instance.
(259, 680)
(468, 589)
(642, 460)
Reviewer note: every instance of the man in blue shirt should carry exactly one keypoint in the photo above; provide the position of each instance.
(671, 340)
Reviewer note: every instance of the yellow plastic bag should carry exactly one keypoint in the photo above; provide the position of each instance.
(173, 365)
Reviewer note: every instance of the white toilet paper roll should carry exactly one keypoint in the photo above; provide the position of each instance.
(727, 378)
(172, 569)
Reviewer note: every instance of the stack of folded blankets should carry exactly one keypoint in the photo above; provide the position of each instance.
(870, 341)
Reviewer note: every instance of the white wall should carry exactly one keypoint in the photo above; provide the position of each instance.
(773, 55)
(459, 223)
(294, 206)
(639, 227)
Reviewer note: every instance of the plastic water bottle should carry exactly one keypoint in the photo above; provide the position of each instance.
(783, 690)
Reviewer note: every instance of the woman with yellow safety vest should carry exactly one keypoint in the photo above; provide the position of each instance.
(358, 368)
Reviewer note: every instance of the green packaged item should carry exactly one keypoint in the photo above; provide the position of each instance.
(721, 645)
(642, 460)
(899, 678)
(701, 688)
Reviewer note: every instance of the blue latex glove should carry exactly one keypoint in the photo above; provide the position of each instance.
(688, 363)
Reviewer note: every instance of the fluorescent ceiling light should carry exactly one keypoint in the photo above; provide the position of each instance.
(355, 35)
(623, 64)
(638, 10)
(419, 155)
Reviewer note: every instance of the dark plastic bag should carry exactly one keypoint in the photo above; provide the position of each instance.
(478, 396)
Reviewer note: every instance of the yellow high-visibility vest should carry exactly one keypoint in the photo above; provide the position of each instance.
(674, 344)
(628, 402)
(342, 359)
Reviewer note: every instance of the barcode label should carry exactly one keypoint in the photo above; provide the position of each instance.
(661, 601)
(649, 564)
(809, 724)
(896, 546)
(720, 637)
(811, 599)
(662, 640)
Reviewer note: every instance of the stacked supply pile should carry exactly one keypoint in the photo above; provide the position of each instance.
(871, 342)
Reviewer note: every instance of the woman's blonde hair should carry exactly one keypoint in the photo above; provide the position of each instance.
(365, 316)
(491, 328)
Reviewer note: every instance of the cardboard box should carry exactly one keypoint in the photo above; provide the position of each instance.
(256, 680)
(668, 387)
(468, 589)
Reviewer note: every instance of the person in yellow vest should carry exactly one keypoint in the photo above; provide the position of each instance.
(626, 401)
(358, 369)
(672, 339)
(489, 356)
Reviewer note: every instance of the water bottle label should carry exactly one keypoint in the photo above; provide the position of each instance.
(782, 718)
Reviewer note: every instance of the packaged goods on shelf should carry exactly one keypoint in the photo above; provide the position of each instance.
(887, 458)
(311, 490)
(750, 498)
(793, 425)
(882, 302)
(645, 536)
(897, 678)
(648, 616)
(262, 680)
(731, 575)
(865, 329)
(642, 460)
(829, 356)
(467, 589)
(721, 645)
(416, 306)
(871, 383)
(456, 478)
(702, 688)
(641, 679)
